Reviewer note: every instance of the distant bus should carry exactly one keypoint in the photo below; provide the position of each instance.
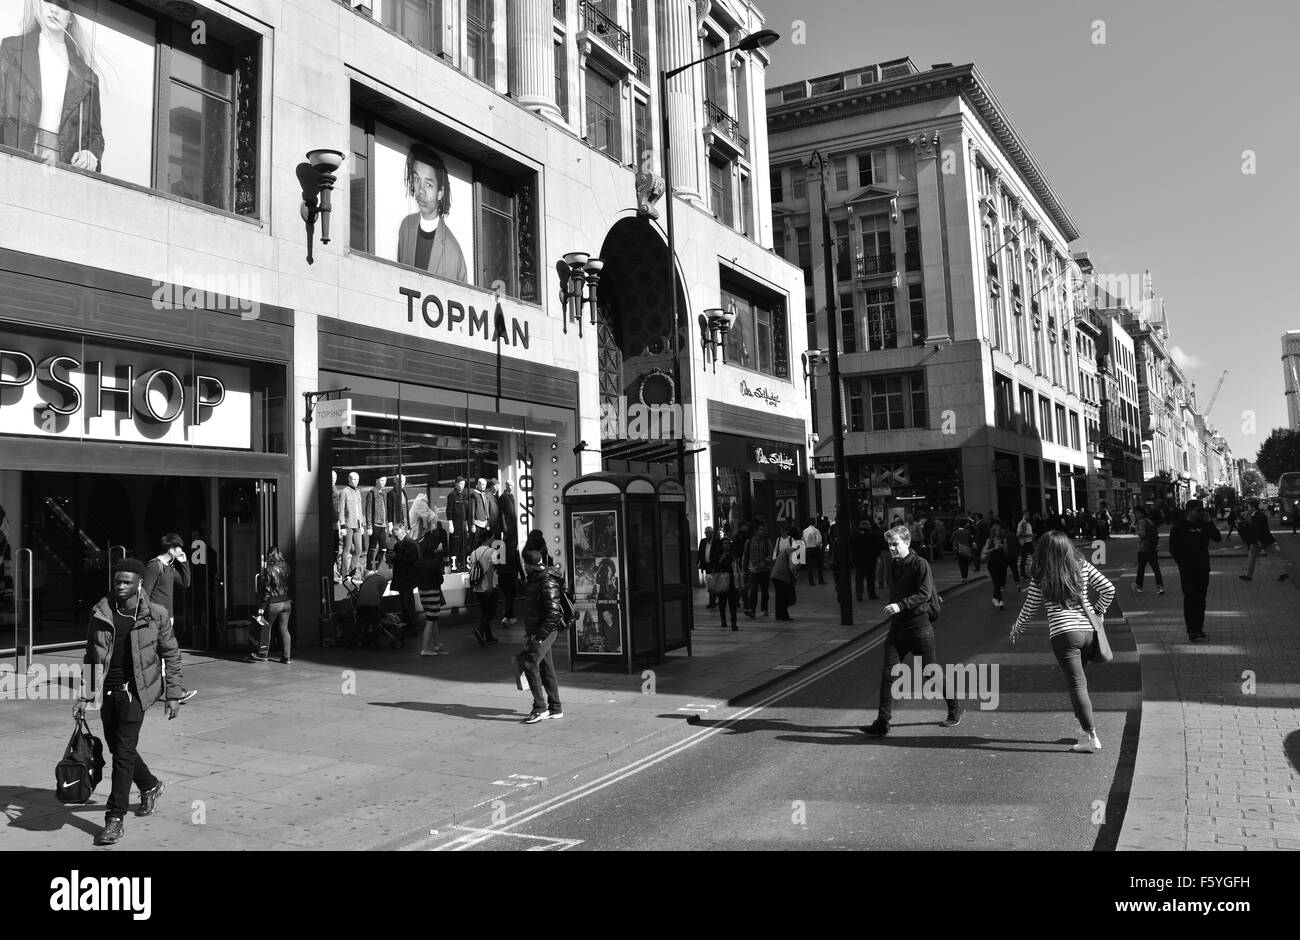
(1288, 494)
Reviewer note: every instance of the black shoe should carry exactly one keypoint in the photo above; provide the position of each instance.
(1282, 576)
(286, 660)
(877, 729)
(478, 635)
(733, 626)
(1196, 637)
(1245, 577)
(492, 639)
(953, 719)
(114, 829)
(149, 799)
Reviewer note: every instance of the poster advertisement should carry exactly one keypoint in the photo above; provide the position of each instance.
(77, 85)
(597, 582)
(424, 206)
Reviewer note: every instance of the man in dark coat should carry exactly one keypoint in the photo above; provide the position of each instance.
(493, 509)
(864, 547)
(709, 551)
(543, 618)
(509, 514)
(1189, 546)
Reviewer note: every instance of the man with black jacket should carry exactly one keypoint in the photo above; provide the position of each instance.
(911, 594)
(1189, 546)
(543, 617)
(709, 551)
(1262, 541)
(404, 559)
(863, 546)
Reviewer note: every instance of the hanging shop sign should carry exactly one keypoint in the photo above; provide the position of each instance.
(487, 324)
(83, 390)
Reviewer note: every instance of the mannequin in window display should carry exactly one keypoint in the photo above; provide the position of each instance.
(335, 491)
(399, 503)
(509, 514)
(377, 520)
(352, 526)
(493, 510)
(478, 508)
(457, 518)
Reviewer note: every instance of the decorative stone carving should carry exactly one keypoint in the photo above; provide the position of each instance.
(735, 36)
(926, 145)
(702, 8)
(649, 190)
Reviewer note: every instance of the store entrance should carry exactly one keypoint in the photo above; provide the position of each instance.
(79, 524)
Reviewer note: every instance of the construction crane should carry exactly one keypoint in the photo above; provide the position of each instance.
(1215, 396)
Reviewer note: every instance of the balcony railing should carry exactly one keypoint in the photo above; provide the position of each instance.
(874, 265)
(594, 20)
(993, 269)
(720, 120)
(642, 67)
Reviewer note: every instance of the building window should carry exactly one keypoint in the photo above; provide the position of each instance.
(798, 183)
(561, 78)
(916, 305)
(774, 178)
(871, 168)
(848, 324)
(640, 24)
(906, 163)
(778, 239)
(483, 219)
(877, 246)
(420, 21)
(898, 401)
(759, 338)
(604, 127)
(721, 197)
(804, 239)
(1060, 424)
(841, 167)
(1004, 415)
(641, 130)
(843, 267)
(881, 329)
(1074, 430)
(747, 226)
(911, 242)
(1027, 410)
(1045, 419)
(857, 416)
(479, 54)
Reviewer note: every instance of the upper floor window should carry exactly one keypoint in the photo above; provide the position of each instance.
(841, 167)
(720, 192)
(1004, 415)
(798, 183)
(132, 97)
(848, 325)
(898, 401)
(604, 124)
(906, 163)
(774, 179)
(420, 21)
(417, 200)
(804, 237)
(882, 330)
(843, 267)
(871, 168)
(759, 337)
(479, 54)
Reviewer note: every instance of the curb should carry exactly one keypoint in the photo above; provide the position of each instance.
(416, 835)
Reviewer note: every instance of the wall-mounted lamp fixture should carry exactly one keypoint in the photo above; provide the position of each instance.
(579, 274)
(715, 324)
(812, 358)
(316, 177)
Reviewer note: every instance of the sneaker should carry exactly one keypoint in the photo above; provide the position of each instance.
(1245, 577)
(149, 799)
(535, 716)
(952, 720)
(505, 623)
(1088, 744)
(1160, 589)
(185, 697)
(286, 660)
(877, 729)
(254, 658)
(557, 713)
(1282, 576)
(995, 602)
(478, 635)
(113, 830)
(1138, 590)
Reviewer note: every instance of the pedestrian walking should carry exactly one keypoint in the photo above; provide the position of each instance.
(274, 607)
(537, 542)
(161, 573)
(981, 537)
(404, 559)
(430, 572)
(758, 567)
(814, 553)
(912, 597)
(510, 575)
(996, 553)
(864, 551)
(1024, 544)
(1233, 518)
(1061, 582)
(1148, 536)
(483, 582)
(783, 572)
(128, 639)
(1262, 544)
(705, 555)
(543, 618)
(1189, 546)
(725, 578)
(961, 544)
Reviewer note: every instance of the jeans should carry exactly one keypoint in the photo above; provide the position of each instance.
(276, 615)
(487, 601)
(963, 565)
(898, 646)
(1026, 557)
(816, 565)
(509, 590)
(123, 714)
(866, 573)
(539, 669)
(758, 581)
(1071, 649)
(998, 568)
(1196, 584)
(784, 598)
(1149, 558)
(353, 552)
(730, 599)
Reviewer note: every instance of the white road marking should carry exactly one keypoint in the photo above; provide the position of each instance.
(552, 844)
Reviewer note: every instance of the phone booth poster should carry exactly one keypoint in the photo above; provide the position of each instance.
(597, 583)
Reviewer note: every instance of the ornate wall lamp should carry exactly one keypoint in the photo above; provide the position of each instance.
(316, 177)
(715, 324)
(579, 274)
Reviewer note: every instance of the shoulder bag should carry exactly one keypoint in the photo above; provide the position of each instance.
(1100, 650)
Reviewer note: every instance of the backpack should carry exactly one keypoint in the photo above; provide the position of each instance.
(567, 612)
(477, 574)
(82, 767)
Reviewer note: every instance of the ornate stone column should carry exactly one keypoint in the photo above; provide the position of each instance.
(678, 46)
(531, 58)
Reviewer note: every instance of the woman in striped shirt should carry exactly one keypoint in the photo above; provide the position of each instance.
(1061, 581)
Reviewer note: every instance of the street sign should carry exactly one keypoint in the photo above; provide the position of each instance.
(824, 466)
(334, 413)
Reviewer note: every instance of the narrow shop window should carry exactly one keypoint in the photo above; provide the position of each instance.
(604, 124)
(759, 338)
(480, 55)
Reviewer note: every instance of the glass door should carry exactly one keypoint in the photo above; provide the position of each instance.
(246, 510)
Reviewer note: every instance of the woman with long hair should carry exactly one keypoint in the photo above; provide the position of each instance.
(996, 553)
(50, 88)
(1061, 581)
(728, 564)
(429, 570)
(537, 542)
(275, 608)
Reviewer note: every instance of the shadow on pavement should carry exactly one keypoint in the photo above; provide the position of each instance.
(457, 711)
(1292, 747)
(35, 810)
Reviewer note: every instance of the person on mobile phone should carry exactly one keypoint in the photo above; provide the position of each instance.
(170, 565)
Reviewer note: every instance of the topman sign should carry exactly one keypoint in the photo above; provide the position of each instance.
(487, 325)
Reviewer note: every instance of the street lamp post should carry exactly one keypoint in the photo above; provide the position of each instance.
(843, 509)
(764, 37)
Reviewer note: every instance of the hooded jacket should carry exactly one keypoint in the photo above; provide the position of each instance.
(152, 641)
(543, 614)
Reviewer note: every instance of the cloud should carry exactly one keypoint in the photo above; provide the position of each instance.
(1184, 360)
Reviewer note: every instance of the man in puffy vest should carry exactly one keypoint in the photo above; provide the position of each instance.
(543, 618)
(127, 642)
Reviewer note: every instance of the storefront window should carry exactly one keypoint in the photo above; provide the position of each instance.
(759, 338)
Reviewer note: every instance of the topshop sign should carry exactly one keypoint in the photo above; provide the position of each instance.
(83, 391)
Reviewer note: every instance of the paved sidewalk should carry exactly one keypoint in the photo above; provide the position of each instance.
(1219, 749)
(360, 749)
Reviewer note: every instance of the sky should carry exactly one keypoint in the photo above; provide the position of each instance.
(1142, 136)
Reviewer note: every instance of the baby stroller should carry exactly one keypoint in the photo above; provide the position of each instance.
(373, 624)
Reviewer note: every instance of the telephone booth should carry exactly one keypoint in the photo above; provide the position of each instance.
(629, 562)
